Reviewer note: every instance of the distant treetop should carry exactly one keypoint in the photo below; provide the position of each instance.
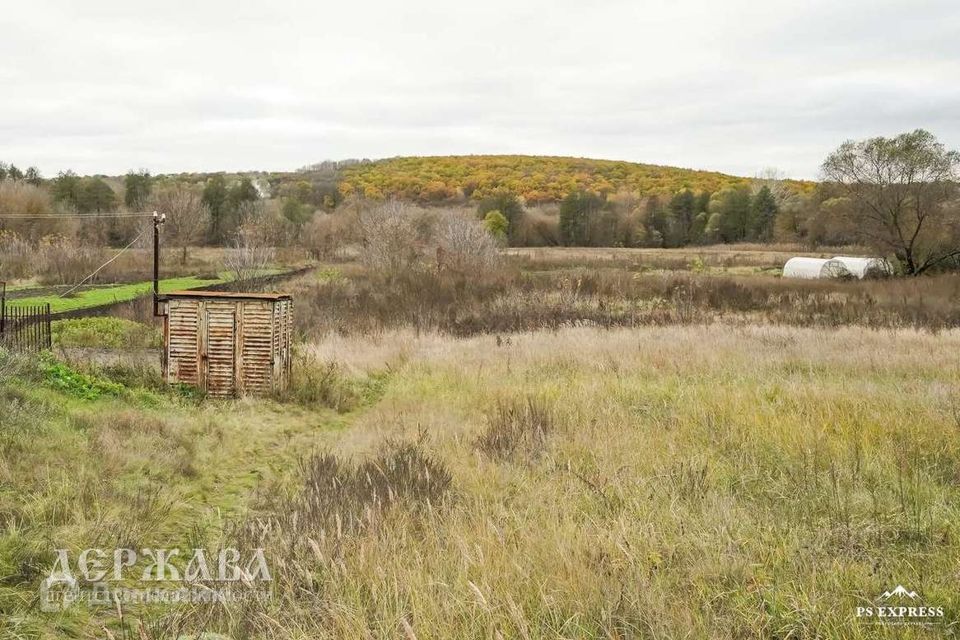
(536, 179)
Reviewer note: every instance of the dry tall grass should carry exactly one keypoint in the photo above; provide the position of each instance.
(513, 301)
(712, 482)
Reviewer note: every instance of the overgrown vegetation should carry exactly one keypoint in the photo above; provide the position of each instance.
(609, 294)
(517, 428)
(772, 478)
(482, 442)
(90, 457)
(105, 332)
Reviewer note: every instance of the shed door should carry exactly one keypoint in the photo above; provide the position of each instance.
(218, 353)
(183, 342)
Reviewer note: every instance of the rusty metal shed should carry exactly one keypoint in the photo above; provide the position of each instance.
(226, 343)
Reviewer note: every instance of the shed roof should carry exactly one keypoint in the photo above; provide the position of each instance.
(235, 295)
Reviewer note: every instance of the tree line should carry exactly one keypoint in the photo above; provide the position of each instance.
(897, 195)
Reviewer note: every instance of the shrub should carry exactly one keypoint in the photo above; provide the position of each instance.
(320, 384)
(507, 205)
(67, 262)
(87, 387)
(248, 258)
(18, 197)
(466, 248)
(328, 234)
(496, 224)
(389, 236)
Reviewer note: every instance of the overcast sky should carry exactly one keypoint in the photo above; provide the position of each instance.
(729, 85)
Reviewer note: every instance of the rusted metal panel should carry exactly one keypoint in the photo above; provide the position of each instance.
(183, 325)
(257, 348)
(219, 354)
(286, 339)
(229, 345)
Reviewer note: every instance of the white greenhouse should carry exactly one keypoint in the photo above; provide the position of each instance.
(815, 268)
(866, 267)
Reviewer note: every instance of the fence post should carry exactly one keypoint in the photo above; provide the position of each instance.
(3, 308)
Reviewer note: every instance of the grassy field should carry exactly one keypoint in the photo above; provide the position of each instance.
(112, 458)
(563, 452)
(770, 479)
(665, 482)
(116, 293)
(109, 294)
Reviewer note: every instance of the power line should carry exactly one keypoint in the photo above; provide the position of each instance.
(119, 253)
(71, 216)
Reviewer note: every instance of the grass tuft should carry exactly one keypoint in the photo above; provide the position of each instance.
(517, 428)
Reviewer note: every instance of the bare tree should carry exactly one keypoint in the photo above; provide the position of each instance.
(328, 234)
(249, 258)
(390, 239)
(904, 192)
(187, 216)
(775, 180)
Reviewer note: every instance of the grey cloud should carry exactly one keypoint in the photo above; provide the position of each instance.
(104, 86)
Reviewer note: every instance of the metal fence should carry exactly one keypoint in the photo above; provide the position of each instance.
(24, 328)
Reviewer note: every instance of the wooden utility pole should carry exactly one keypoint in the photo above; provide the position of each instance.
(158, 219)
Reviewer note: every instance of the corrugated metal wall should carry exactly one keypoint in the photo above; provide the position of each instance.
(228, 347)
(257, 346)
(183, 342)
(218, 350)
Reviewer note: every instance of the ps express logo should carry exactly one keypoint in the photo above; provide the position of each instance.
(900, 606)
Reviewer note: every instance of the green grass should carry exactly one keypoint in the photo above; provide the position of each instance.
(86, 460)
(124, 292)
(117, 293)
(105, 332)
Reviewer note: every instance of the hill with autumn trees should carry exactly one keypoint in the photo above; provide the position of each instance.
(535, 179)
(524, 200)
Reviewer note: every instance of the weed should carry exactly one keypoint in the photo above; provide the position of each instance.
(517, 428)
(319, 385)
(81, 385)
(338, 497)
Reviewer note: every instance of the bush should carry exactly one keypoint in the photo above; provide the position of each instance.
(507, 205)
(249, 258)
(328, 234)
(389, 235)
(402, 244)
(496, 224)
(87, 387)
(67, 262)
(320, 384)
(466, 249)
(16, 198)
